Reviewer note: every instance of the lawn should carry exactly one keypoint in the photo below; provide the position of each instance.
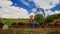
(10, 21)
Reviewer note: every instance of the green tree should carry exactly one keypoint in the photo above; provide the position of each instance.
(38, 19)
(52, 17)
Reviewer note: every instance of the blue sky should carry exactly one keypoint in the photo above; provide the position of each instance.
(22, 5)
(30, 7)
(57, 7)
(24, 8)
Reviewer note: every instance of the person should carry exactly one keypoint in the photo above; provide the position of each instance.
(31, 21)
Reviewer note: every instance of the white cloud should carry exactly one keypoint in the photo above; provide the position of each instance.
(26, 3)
(5, 2)
(30, 0)
(32, 13)
(55, 1)
(46, 4)
(34, 10)
(49, 12)
(8, 11)
(14, 12)
(57, 12)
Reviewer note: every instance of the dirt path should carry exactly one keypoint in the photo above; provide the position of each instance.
(29, 30)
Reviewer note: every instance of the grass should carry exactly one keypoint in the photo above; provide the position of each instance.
(10, 21)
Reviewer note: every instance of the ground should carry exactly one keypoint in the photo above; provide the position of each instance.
(28, 30)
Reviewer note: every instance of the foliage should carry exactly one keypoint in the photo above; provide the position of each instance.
(52, 17)
(38, 19)
(10, 21)
(1, 25)
(0, 19)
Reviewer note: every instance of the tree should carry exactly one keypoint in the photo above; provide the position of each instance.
(38, 19)
(52, 17)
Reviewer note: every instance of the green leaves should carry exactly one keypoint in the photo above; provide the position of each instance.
(10, 21)
(38, 18)
(52, 17)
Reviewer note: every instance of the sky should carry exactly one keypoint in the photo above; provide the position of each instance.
(25, 8)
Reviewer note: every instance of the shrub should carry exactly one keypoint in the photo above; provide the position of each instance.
(20, 23)
(38, 19)
(1, 25)
(13, 24)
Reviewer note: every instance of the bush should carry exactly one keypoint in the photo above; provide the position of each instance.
(38, 19)
(20, 23)
(15, 24)
(1, 25)
(52, 17)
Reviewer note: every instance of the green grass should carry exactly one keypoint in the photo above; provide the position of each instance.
(10, 21)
